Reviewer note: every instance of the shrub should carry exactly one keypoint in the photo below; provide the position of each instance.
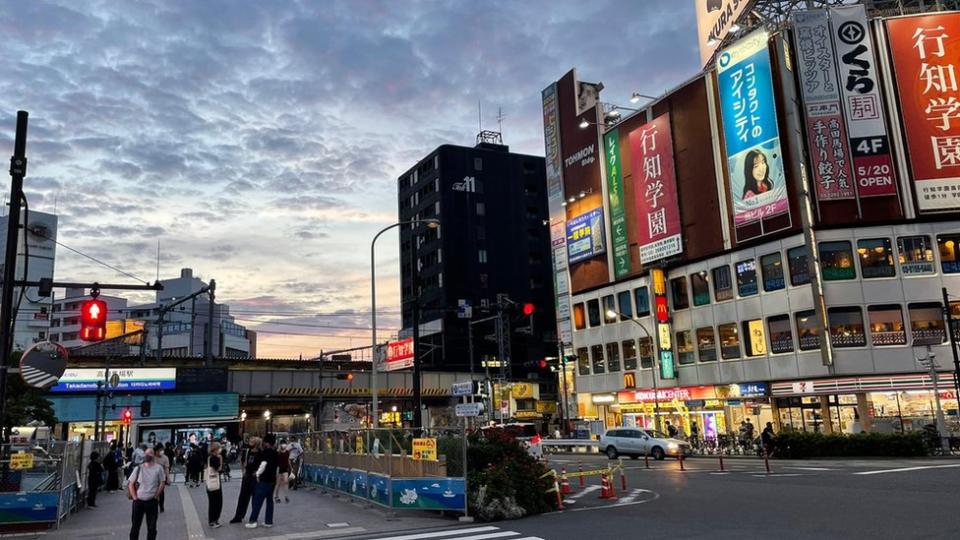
(505, 481)
(799, 444)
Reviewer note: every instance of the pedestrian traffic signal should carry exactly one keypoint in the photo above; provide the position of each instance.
(344, 376)
(93, 320)
(528, 309)
(127, 416)
(145, 408)
(542, 363)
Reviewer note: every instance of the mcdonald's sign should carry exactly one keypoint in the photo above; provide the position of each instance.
(659, 281)
(629, 380)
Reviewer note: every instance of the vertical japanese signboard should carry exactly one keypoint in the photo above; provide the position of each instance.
(863, 108)
(926, 51)
(618, 218)
(555, 197)
(655, 186)
(754, 159)
(826, 132)
(658, 281)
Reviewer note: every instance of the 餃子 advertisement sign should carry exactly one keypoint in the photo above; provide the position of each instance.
(863, 108)
(754, 159)
(618, 217)
(585, 236)
(655, 189)
(398, 355)
(925, 52)
(715, 19)
(830, 158)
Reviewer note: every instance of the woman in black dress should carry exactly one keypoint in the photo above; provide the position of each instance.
(94, 478)
(112, 467)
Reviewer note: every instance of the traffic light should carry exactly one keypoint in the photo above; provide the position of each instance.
(93, 320)
(542, 364)
(127, 416)
(145, 408)
(529, 309)
(344, 376)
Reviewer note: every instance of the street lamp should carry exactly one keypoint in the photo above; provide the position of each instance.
(613, 314)
(431, 223)
(243, 423)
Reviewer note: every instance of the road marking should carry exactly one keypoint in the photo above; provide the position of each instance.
(720, 473)
(337, 525)
(190, 515)
(809, 468)
(453, 532)
(586, 490)
(313, 534)
(907, 469)
(633, 496)
(778, 475)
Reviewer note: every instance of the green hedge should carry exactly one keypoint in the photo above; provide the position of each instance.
(800, 444)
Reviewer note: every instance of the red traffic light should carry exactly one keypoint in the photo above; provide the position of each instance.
(528, 309)
(93, 320)
(543, 363)
(127, 416)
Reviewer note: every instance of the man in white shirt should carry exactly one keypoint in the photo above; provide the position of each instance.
(296, 452)
(138, 454)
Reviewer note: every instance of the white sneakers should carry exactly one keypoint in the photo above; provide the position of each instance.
(254, 525)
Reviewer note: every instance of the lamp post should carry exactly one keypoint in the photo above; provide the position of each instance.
(266, 423)
(431, 223)
(656, 397)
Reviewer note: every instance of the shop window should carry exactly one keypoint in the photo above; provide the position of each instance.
(781, 338)
(836, 260)
(747, 278)
(729, 341)
(886, 325)
(916, 255)
(645, 348)
(799, 269)
(593, 312)
(807, 330)
(629, 354)
(684, 347)
(722, 283)
(609, 308)
(583, 361)
(701, 288)
(599, 366)
(642, 299)
(754, 338)
(771, 266)
(846, 327)
(613, 356)
(876, 258)
(707, 344)
(949, 245)
(926, 321)
(954, 320)
(624, 306)
(579, 316)
(678, 289)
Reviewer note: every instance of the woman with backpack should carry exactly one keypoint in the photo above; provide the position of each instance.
(214, 488)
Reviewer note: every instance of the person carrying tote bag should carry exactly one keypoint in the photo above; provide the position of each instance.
(214, 489)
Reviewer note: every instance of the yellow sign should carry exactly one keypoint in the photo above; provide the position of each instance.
(659, 281)
(663, 330)
(758, 341)
(629, 380)
(425, 449)
(549, 407)
(527, 414)
(21, 460)
(522, 390)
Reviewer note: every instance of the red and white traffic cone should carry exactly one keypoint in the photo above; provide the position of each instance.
(606, 487)
(565, 488)
(580, 470)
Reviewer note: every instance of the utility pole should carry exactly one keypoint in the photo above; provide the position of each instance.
(18, 169)
(415, 294)
(951, 339)
(208, 353)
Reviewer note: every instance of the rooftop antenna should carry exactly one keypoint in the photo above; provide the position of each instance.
(500, 118)
(158, 259)
(479, 116)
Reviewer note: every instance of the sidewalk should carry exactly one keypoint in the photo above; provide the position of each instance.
(309, 514)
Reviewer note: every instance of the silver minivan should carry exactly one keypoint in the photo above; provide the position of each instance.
(636, 442)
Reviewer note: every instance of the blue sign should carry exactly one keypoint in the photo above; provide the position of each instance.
(585, 238)
(379, 488)
(128, 379)
(29, 507)
(428, 493)
(755, 389)
(667, 369)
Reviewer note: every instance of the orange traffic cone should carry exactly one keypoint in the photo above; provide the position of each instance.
(565, 488)
(606, 488)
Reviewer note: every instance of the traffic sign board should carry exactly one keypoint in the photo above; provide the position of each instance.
(114, 380)
(462, 388)
(469, 409)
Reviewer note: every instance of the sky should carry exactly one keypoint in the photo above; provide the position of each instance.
(259, 142)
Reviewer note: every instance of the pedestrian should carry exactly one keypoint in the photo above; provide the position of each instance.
(248, 482)
(144, 487)
(671, 431)
(137, 457)
(266, 474)
(214, 489)
(94, 478)
(111, 462)
(296, 459)
(161, 459)
(194, 464)
(766, 438)
(283, 476)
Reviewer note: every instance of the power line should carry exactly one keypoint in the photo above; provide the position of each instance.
(339, 327)
(40, 232)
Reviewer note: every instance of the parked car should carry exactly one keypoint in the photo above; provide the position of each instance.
(636, 442)
(527, 434)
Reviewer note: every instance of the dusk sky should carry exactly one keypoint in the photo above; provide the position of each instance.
(260, 141)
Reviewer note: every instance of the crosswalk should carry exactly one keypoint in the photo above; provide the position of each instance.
(464, 533)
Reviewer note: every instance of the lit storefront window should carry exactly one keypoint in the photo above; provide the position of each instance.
(916, 255)
(599, 366)
(926, 321)
(722, 284)
(846, 327)
(781, 338)
(609, 308)
(886, 325)
(701, 288)
(579, 316)
(583, 361)
(685, 354)
(629, 354)
(772, 269)
(799, 270)
(955, 318)
(747, 278)
(646, 352)
(836, 261)
(949, 253)
(754, 338)
(707, 344)
(729, 341)
(807, 330)
(876, 258)
(613, 356)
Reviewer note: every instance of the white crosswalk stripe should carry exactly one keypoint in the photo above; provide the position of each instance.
(36, 377)
(468, 533)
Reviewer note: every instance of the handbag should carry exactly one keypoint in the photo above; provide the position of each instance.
(213, 478)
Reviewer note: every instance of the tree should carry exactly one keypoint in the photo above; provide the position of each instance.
(25, 404)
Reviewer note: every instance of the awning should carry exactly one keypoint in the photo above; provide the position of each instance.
(300, 391)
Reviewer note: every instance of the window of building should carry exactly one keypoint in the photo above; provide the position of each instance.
(596, 352)
(481, 233)
(926, 321)
(678, 288)
(482, 256)
(629, 354)
(477, 164)
(876, 258)
(916, 255)
(609, 310)
(807, 331)
(42, 335)
(484, 281)
(837, 261)
(754, 338)
(481, 209)
(701, 288)
(771, 266)
(579, 316)
(645, 347)
(954, 313)
(593, 313)
(642, 299)
(613, 356)
(685, 349)
(846, 327)
(781, 338)
(707, 344)
(729, 341)
(747, 277)
(886, 325)
(799, 270)
(949, 253)
(624, 305)
(583, 361)
(722, 283)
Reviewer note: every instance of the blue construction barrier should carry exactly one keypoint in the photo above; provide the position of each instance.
(436, 493)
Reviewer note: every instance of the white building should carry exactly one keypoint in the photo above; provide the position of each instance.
(32, 323)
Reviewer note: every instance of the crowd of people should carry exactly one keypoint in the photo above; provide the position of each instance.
(269, 469)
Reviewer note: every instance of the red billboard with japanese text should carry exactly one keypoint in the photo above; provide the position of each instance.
(926, 50)
(655, 188)
(399, 355)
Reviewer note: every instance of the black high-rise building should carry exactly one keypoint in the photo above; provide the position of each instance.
(493, 239)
